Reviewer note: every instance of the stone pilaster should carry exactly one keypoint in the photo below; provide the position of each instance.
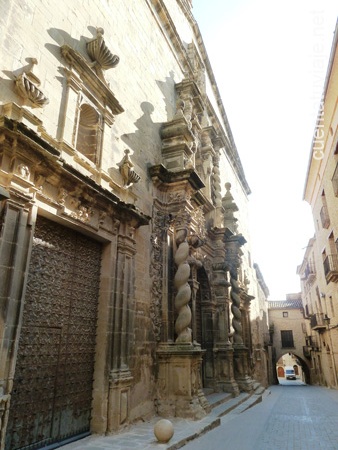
(17, 228)
(120, 380)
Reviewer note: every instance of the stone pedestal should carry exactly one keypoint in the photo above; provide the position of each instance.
(224, 379)
(241, 356)
(119, 399)
(179, 389)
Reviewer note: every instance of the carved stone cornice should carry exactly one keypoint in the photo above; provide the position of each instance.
(162, 177)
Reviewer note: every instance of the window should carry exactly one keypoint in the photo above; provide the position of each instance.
(285, 314)
(90, 107)
(287, 338)
(307, 311)
(324, 214)
(330, 261)
(88, 132)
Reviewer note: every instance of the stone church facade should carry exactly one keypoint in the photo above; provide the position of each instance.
(126, 275)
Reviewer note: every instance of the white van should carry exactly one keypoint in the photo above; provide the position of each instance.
(290, 373)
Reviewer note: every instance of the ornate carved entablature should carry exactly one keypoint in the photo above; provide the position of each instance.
(32, 170)
(27, 86)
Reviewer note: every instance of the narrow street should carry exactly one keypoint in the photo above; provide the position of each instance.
(290, 418)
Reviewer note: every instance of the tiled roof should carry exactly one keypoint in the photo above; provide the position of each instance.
(285, 304)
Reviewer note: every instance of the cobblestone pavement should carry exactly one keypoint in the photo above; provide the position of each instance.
(290, 418)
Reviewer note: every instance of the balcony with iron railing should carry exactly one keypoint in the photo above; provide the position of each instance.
(317, 322)
(331, 268)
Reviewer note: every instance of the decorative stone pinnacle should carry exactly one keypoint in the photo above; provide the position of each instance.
(229, 207)
(27, 87)
(126, 169)
(99, 52)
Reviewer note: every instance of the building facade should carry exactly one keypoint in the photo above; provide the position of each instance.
(287, 328)
(126, 277)
(319, 269)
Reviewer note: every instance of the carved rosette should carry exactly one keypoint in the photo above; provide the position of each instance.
(183, 295)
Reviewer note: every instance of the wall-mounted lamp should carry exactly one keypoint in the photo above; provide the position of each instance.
(322, 295)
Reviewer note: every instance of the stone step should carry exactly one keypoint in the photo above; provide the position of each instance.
(223, 403)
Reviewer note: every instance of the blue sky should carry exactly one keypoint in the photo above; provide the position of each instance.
(270, 62)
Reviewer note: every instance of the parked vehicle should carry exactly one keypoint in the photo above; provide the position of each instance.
(290, 373)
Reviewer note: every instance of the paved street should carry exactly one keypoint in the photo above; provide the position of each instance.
(290, 418)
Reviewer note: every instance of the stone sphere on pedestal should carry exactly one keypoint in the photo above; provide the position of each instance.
(163, 430)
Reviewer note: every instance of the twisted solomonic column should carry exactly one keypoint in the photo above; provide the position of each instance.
(183, 290)
(235, 309)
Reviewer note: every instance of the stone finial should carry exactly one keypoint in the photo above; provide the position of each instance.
(229, 207)
(163, 430)
(99, 52)
(27, 87)
(129, 176)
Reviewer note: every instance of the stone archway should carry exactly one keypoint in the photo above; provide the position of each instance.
(300, 366)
